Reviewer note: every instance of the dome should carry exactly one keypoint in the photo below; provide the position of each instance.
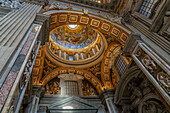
(73, 36)
(75, 45)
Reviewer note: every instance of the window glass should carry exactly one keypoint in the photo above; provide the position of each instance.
(146, 7)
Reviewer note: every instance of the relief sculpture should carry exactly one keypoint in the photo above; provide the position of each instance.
(164, 80)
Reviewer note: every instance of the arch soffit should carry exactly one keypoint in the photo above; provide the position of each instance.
(86, 74)
(65, 17)
(145, 98)
(131, 73)
(113, 48)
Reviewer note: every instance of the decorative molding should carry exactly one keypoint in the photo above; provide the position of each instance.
(115, 32)
(123, 37)
(95, 23)
(63, 18)
(112, 51)
(86, 74)
(53, 19)
(74, 103)
(73, 18)
(84, 20)
(103, 25)
(130, 44)
(156, 70)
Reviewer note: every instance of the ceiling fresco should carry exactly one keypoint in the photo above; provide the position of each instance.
(85, 30)
(96, 70)
(66, 37)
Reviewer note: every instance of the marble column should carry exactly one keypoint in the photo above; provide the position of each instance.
(80, 87)
(38, 91)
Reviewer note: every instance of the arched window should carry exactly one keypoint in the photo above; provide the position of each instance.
(146, 7)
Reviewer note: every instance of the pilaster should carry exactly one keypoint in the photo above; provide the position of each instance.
(107, 96)
(131, 43)
(44, 20)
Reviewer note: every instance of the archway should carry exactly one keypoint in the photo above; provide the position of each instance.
(111, 53)
(87, 75)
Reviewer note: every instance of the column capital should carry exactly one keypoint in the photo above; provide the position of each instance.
(38, 90)
(106, 93)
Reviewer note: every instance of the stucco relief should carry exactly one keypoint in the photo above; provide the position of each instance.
(108, 60)
(164, 81)
(148, 63)
(154, 68)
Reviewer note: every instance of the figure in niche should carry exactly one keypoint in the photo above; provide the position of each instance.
(48, 66)
(54, 88)
(164, 80)
(88, 89)
(96, 70)
(48, 91)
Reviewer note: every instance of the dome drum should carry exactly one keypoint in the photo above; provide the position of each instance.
(87, 50)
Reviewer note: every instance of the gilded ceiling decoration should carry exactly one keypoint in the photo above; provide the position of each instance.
(96, 70)
(53, 87)
(81, 41)
(74, 40)
(79, 46)
(115, 30)
(63, 70)
(108, 79)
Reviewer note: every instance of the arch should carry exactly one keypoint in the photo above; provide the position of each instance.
(145, 98)
(104, 25)
(131, 73)
(112, 51)
(86, 74)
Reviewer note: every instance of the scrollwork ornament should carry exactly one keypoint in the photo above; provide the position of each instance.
(12, 4)
(138, 52)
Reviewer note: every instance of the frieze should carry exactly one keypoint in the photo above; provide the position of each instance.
(154, 68)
